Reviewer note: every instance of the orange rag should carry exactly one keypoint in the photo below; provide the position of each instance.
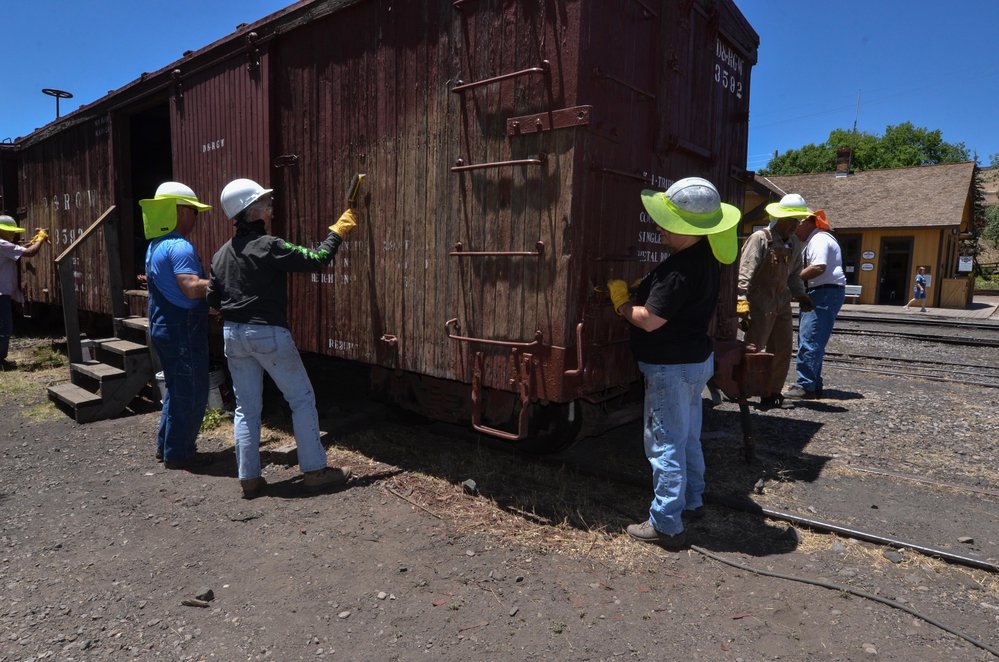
(821, 222)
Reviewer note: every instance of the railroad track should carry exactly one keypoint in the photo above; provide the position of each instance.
(973, 333)
(974, 374)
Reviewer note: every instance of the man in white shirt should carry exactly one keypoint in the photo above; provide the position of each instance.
(825, 284)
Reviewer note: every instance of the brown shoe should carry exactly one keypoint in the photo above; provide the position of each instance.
(648, 533)
(327, 478)
(253, 487)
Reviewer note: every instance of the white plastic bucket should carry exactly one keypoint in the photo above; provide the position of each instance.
(218, 392)
(161, 385)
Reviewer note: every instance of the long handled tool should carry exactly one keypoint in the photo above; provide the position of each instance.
(355, 187)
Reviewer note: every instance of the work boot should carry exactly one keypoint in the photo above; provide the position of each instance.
(6, 365)
(253, 487)
(798, 393)
(327, 478)
(645, 532)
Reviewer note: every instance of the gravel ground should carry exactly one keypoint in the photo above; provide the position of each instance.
(99, 545)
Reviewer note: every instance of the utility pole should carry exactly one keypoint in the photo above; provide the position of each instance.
(857, 115)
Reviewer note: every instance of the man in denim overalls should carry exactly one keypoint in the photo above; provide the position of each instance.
(178, 319)
(769, 276)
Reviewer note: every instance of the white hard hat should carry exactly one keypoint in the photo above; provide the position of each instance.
(180, 192)
(240, 194)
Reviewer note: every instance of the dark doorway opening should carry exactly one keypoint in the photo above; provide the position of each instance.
(893, 277)
(849, 246)
(151, 164)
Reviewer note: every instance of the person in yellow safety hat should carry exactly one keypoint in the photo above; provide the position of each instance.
(178, 320)
(249, 287)
(769, 276)
(673, 306)
(10, 291)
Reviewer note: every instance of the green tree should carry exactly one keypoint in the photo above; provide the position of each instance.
(901, 146)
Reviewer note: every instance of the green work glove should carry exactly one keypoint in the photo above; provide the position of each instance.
(805, 303)
(346, 223)
(617, 290)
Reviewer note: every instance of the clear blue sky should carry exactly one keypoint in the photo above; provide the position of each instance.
(911, 60)
(930, 63)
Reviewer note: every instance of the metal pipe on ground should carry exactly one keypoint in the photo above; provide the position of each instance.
(754, 508)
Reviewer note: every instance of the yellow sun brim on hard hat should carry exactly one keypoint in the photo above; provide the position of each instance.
(725, 245)
(7, 227)
(159, 214)
(776, 210)
(719, 226)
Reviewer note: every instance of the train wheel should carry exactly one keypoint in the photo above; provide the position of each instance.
(552, 428)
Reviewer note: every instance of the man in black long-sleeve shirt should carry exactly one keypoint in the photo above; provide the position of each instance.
(249, 286)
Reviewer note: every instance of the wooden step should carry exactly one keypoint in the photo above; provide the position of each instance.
(137, 323)
(124, 347)
(98, 371)
(74, 396)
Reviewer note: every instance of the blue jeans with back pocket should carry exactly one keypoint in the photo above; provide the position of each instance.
(251, 350)
(673, 439)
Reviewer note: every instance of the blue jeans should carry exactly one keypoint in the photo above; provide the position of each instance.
(673, 439)
(252, 349)
(6, 325)
(181, 342)
(814, 330)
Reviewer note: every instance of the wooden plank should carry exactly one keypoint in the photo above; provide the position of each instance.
(99, 371)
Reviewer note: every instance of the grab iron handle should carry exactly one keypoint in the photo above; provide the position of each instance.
(545, 69)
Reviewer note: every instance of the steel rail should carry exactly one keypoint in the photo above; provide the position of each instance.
(932, 378)
(749, 506)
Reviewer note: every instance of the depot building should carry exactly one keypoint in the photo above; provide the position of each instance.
(888, 223)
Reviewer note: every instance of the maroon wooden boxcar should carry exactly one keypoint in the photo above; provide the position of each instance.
(505, 143)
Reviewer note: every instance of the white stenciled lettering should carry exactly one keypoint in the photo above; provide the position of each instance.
(728, 72)
(212, 145)
(341, 345)
(649, 237)
(325, 279)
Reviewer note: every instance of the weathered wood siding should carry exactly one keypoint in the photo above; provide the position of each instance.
(65, 185)
(220, 131)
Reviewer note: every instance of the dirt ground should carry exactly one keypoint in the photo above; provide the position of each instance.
(99, 544)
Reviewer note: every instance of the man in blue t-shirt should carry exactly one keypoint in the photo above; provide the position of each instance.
(178, 319)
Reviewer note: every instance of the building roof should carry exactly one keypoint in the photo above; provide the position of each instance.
(918, 197)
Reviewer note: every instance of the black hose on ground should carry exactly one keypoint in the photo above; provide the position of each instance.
(852, 591)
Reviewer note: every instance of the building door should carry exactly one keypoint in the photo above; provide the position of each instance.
(896, 265)
(849, 246)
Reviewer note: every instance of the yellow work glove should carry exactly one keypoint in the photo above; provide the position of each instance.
(345, 223)
(617, 290)
(40, 236)
(742, 308)
(633, 285)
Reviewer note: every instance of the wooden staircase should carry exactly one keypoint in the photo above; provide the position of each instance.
(104, 387)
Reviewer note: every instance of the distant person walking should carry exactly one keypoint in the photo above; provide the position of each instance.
(10, 253)
(919, 291)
